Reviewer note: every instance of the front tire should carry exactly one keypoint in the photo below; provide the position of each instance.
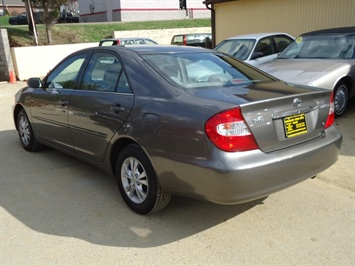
(25, 133)
(137, 182)
(340, 98)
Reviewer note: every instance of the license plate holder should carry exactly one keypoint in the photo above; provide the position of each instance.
(295, 125)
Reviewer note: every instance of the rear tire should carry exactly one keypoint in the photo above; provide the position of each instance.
(137, 182)
(25, 133)
(340, 98)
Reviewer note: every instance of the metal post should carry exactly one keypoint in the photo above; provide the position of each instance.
(31, 21)
(4, 8)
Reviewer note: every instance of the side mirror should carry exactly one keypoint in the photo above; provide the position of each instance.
(34, 83)
(256, 55)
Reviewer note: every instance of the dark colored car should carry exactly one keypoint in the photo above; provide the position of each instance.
(21, 19)
(175, 120)
(67, 18)
(193, 39)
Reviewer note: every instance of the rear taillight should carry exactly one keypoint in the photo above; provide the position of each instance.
(185, 40)
(330, 118)
(229, 132)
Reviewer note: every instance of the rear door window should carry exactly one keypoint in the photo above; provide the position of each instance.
(281, 42)
(178, 39)
(265, 46)
(105, 73)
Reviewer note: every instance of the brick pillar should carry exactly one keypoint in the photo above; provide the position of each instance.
(6, 64)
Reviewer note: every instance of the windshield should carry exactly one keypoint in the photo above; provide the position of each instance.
(240, 48)
(322, 47)
(198, 70)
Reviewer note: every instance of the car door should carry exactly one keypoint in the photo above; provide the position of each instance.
(266, 47)
(22, 19)
(49, 107)
(281, 42)
(100, 106)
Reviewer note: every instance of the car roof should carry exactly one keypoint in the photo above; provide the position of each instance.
(189, 34)
(147, 49)
(156, 49)
(331, 31)
(126, 38)
(258, 35)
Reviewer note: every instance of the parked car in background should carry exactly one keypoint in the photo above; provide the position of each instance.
(323, 58)
(193, 39)
(176, 120)
(257, 48)
(21, 19)
(67, 17)
(126, 41)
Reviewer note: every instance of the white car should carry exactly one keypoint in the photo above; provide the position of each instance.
(257, 48)
(126, 41)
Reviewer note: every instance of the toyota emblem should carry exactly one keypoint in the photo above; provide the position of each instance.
(297, 102)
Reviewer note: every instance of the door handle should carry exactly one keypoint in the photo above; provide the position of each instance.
(117, 108)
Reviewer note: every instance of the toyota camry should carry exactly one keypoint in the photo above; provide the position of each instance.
(176, 120)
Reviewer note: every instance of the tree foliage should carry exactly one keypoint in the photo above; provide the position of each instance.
(72, 6)
(51, 12)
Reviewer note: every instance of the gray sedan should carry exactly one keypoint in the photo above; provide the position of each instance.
(324, 58)
(176, 120)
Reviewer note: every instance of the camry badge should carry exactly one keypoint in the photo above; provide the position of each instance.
(297, 102)
(257, 120)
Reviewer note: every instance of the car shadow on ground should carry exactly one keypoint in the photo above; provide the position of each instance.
(55, 194)
(346, 124)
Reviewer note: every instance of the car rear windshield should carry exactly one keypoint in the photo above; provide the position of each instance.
(198, 70)
(333, 46)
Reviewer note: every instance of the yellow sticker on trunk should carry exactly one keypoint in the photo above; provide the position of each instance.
(295, 125)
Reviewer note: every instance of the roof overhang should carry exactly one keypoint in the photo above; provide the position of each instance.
(208, 2)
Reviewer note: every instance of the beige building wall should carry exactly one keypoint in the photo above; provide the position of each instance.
(292, 16)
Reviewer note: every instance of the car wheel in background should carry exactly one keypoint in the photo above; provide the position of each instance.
(340, 98)
(25, 132)
(137, 182)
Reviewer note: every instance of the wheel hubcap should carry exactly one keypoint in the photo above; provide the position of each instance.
(24, 130)
(340, 99)
(134, 180)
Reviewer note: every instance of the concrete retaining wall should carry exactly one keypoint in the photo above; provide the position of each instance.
(36, 61)
(160, 36)
(6, 64)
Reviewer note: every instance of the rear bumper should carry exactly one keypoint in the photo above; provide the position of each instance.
(231, 178)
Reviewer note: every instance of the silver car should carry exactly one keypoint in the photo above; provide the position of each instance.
(126, 41)
(324, 58)
(256, 48)
(179, 120)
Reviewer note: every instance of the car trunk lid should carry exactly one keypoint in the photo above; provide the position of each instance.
(279, 116)
(287, 121)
